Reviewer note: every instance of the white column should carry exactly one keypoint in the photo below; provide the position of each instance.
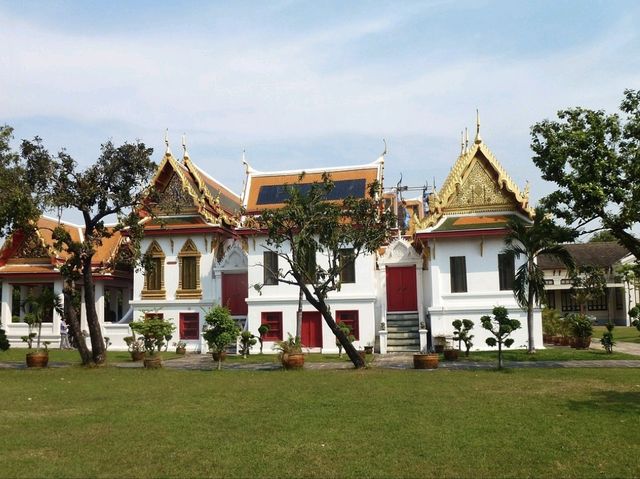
(5, 312)
(99, 297)
(423, 339)
(383, 341)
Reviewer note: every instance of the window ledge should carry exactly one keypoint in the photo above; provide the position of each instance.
(153, 294)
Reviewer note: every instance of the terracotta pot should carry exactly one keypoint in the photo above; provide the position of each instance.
(546, 338)
(38, 359)
(564, 341)
(181, 350)
(368, 349)
(451, 354)
(137, 355)
(153, 362)
(583, 343)
(425, 361)
(219, 356)
(439, 348)
(556, 340)
(293, 361)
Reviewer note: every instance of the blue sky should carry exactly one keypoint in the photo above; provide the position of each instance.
(307, 84)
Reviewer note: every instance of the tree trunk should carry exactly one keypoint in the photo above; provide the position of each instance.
(98, 350)
(499, 354)
(348, 346)
(72, 319)
(530, 332)
(299, 316)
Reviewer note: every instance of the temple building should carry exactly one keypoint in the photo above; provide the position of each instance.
(445, 260)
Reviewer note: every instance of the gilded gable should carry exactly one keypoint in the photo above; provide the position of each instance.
(174, 198)
(479, 190)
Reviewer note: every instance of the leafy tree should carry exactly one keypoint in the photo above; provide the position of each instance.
(308, 227)
(602, 237)
(630, 273)
(154, 331)
(500, 326)
(220, 331)
(543, 237)
(594, 159)
(35, 181)
(247, 340)
(462, 328)
(587, 284)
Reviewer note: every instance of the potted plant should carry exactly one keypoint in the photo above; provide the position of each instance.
(550, 324)
(581, 329)
(247, 341)
(426, 359)
(220, 331)
(462, 328)
(440, 342)
(153, 331)
(39, 307)
(262, 331)
(291, 352)
(450, 353)
(181, 347)
(135, 347)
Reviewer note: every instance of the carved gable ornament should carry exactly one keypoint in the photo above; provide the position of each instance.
(174, 198)
(234, 258)
(33, 247)
(401, 251)
(479, 189)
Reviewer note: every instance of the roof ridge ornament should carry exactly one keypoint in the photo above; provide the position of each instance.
(384, 152)
(166, 142)
(185, 153)
(462, 148)
(466, 139)
(478, 139)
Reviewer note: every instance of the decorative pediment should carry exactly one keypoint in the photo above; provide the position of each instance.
(189, 249)
(175, 199)
(155, 250)
(477, 183)
(234, 258)
(401, 251)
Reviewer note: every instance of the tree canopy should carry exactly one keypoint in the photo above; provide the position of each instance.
(34, 181)
(318, 239)
(594, 159)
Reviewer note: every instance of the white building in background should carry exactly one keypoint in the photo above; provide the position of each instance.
(618, 298)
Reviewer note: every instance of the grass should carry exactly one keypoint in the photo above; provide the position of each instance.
(620, 333)
(375, 423)
(551, 353)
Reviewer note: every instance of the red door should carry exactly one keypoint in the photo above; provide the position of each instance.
(401, 289)
(311, 329)
(235, 288)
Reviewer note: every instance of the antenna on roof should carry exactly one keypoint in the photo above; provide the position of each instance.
(166, 142)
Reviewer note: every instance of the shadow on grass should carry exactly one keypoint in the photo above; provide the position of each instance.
(611, 401)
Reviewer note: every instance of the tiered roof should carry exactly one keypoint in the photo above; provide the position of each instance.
(37, 255)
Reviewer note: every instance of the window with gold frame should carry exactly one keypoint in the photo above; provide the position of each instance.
(189, 278)
(154, 275)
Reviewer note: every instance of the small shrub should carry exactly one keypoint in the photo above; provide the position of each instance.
(4, 342)
(607, 338)
(461, 334)
(501, 326)
(247, 340)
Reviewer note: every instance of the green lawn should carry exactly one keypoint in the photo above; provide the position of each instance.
(374, 423)
(70, 356)
(551, 353)
(620, 333)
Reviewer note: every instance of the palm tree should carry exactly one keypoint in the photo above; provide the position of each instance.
(529, 241)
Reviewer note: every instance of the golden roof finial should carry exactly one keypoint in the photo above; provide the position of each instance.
(478, 139)
(462, 142)
(166, 142)
(184, 146)
(466, 139)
